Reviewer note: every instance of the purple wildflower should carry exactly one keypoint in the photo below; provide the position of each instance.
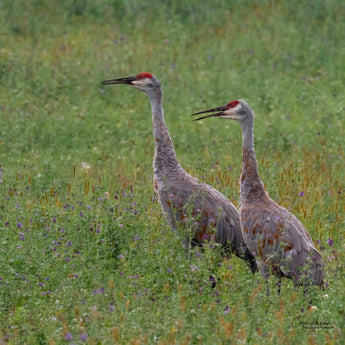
(330, 242)
(68, 336)
(226, 310)
(301, 194)
(198, 255)
(98, 291)
(83, 337)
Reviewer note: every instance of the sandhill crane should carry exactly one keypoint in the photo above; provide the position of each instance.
(272, 232)
(182, 196)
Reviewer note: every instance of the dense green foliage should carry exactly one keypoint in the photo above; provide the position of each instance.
(85, 254)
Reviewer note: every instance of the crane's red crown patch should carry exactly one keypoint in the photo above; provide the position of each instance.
(144, 75)
(232, 104)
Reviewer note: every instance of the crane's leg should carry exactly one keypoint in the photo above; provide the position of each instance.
(265, 271)
(190, 244)
(267, 288)
(279, 284)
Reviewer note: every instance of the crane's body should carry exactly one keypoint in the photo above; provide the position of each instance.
(182, 196)
(278, 238)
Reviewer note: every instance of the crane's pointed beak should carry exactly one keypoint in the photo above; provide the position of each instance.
(218, 112)
(127, 80)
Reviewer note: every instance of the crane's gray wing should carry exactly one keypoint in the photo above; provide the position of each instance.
(306, 263)
(282, 242)
(211, 212)
(196, 206)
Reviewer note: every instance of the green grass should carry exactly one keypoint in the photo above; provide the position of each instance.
(85, 251)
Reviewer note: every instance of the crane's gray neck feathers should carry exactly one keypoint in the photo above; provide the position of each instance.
(252, 187)
(165, 162)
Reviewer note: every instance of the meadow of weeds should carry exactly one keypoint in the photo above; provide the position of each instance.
(85, 254)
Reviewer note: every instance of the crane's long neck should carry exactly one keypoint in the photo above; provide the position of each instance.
(251, 186)
(165, 162)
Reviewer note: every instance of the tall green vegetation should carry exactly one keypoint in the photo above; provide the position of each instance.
(85, 254)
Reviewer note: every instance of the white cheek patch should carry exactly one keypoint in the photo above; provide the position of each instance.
(231, 113)
(140, 82)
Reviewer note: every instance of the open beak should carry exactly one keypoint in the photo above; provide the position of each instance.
(127, 80)
(218, 112)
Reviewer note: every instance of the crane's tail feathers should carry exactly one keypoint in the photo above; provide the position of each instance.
(308, 268)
